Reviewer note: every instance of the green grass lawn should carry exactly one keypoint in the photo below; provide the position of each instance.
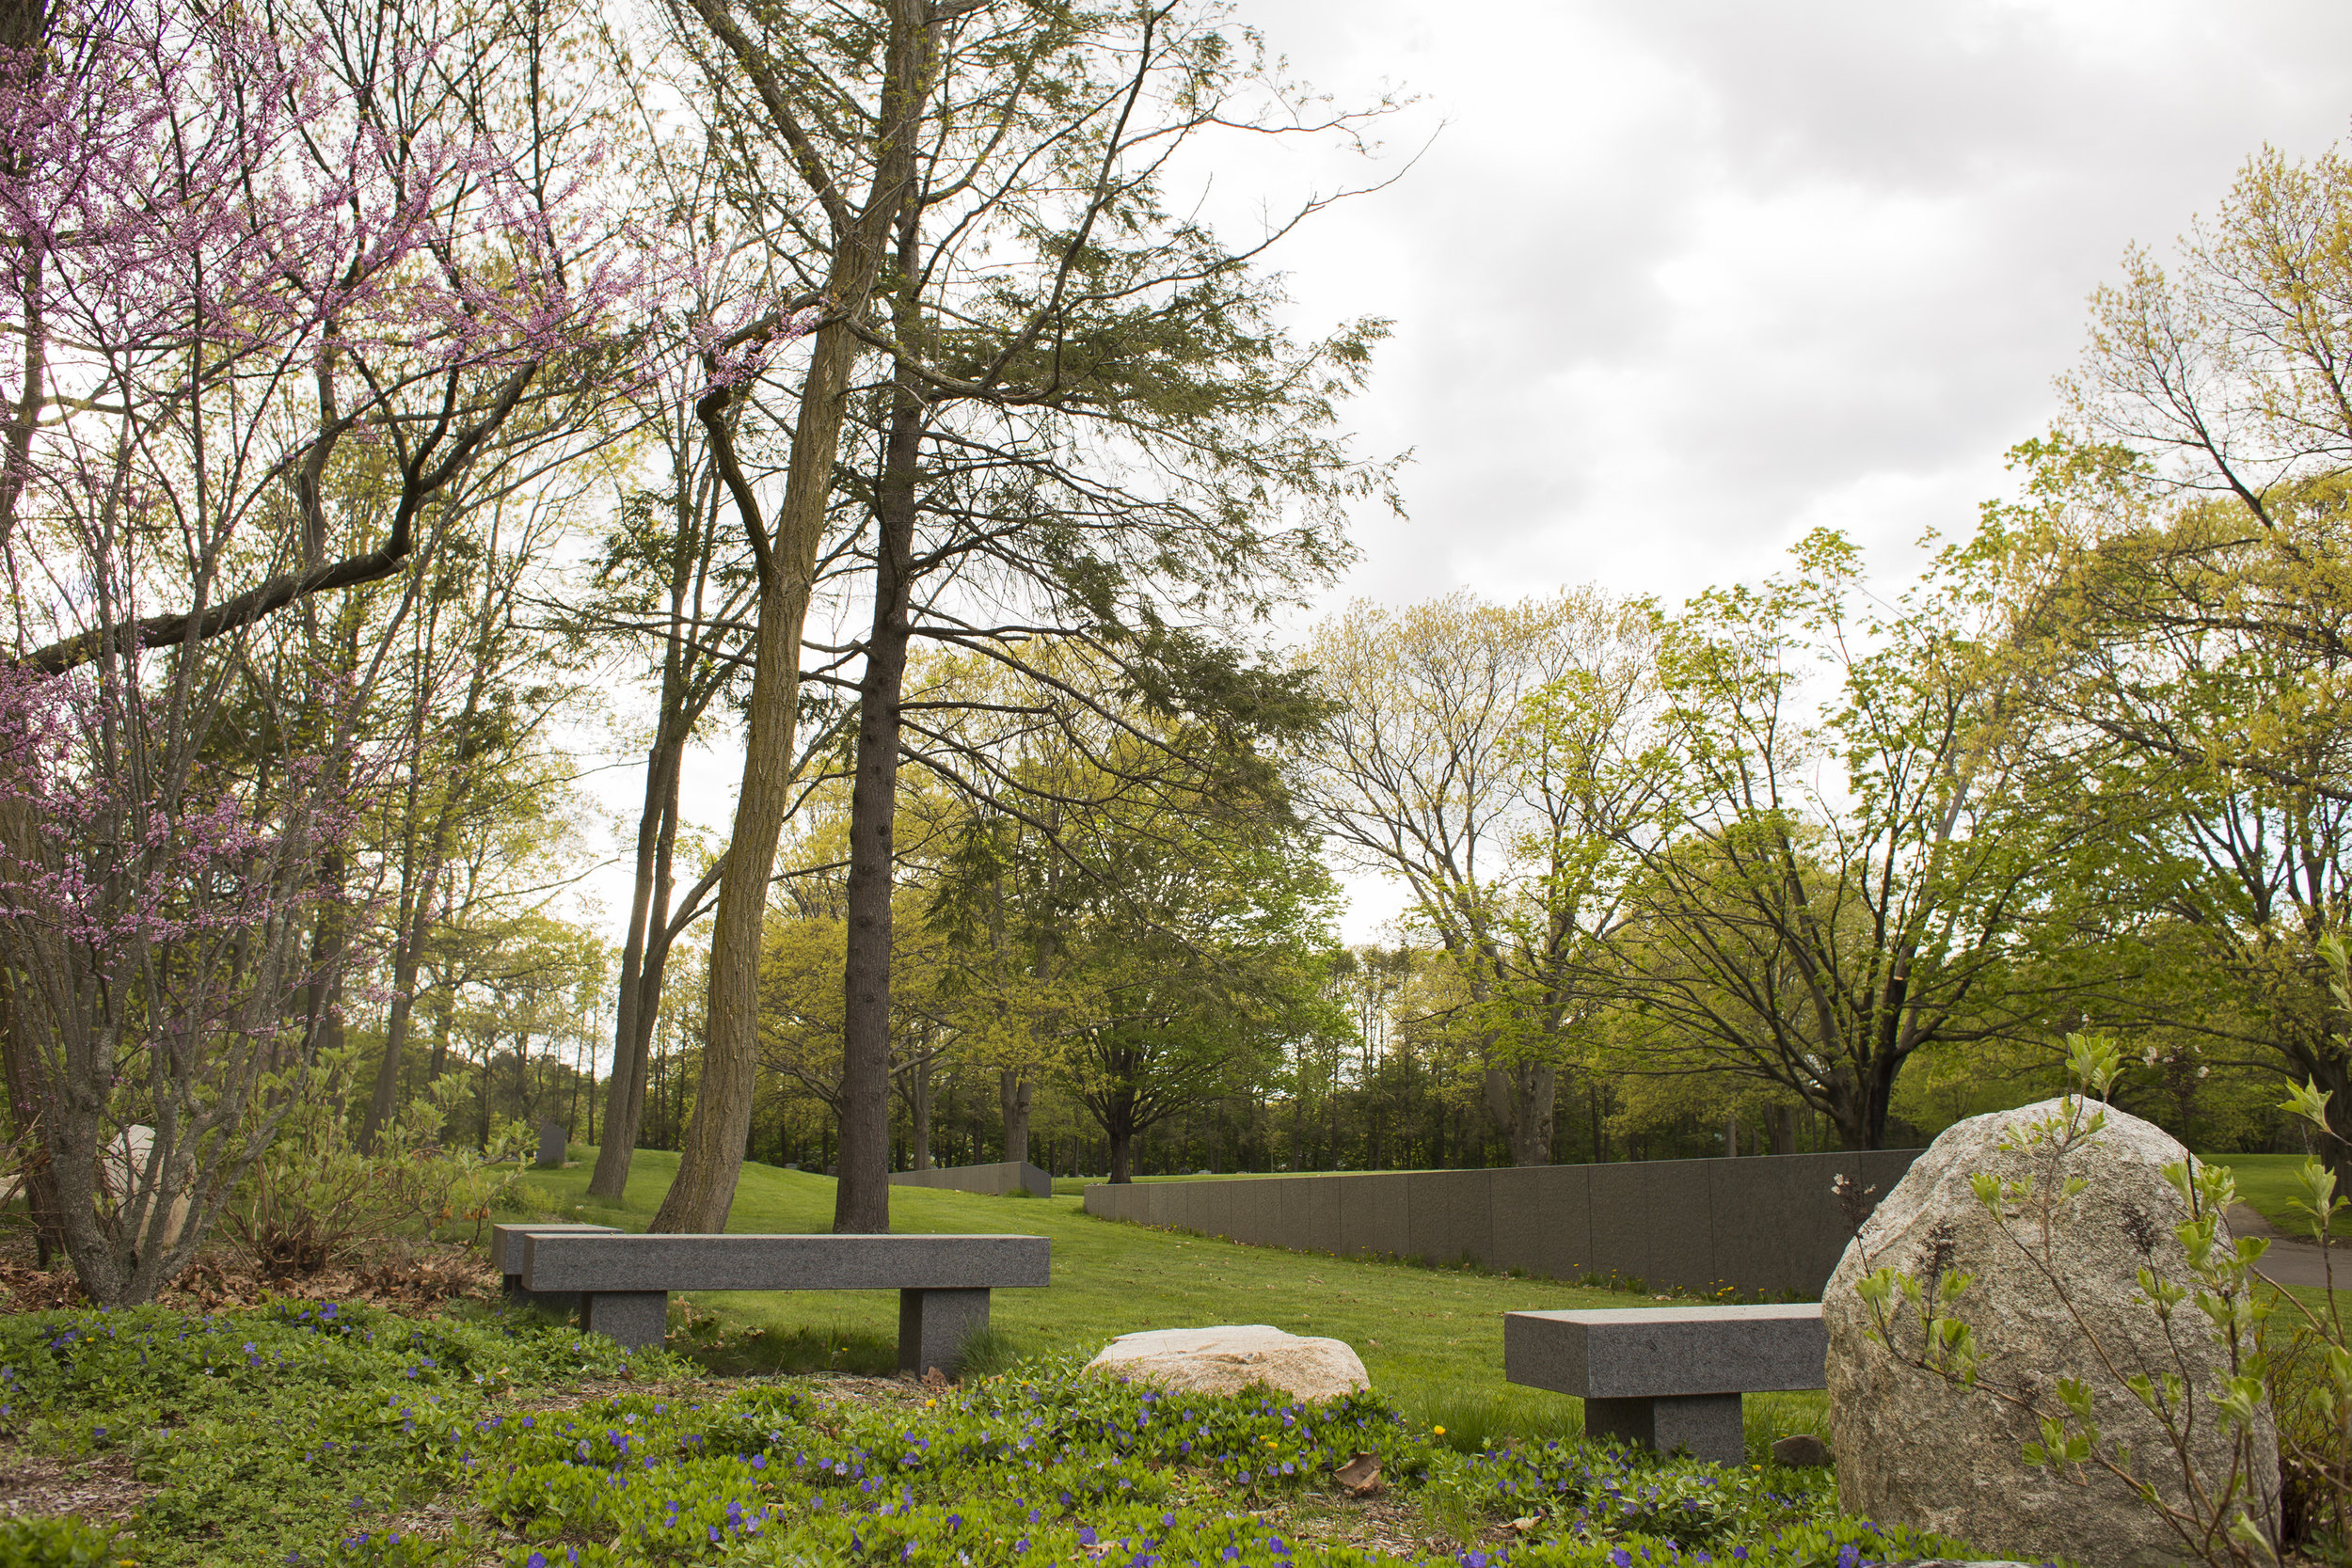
(1431, 1340)
(2266, 1181)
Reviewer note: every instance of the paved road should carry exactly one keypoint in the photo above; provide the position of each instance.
(2290, 1261)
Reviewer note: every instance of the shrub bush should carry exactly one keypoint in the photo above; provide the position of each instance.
(313, 1197)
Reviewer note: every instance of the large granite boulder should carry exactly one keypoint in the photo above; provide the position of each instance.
(1231, 1358)
(1914, 1448)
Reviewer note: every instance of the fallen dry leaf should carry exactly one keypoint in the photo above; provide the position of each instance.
(1360, 1475)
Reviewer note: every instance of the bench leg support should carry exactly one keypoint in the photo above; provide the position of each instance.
(561, 1303)
(1707, 1426)
(933, 1327)
(637, 1319)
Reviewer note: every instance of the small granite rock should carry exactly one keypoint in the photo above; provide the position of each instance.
(1913, 1448)
(1801, 1450)
(1231, 1358)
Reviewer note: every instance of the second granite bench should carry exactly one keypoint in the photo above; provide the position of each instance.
(1668, 1377)
(623, 1282)
(507, 1255)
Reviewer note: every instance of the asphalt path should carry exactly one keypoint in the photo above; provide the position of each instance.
(2290, 1261)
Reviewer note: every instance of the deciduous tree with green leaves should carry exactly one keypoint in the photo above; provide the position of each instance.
(1860, 850)
(1480, 754)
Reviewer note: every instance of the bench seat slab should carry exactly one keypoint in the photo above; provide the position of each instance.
(1705, 1426)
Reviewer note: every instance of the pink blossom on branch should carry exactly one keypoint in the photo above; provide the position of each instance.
(270, 312)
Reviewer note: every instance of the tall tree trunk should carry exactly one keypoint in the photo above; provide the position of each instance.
(419, 884)
(862, 1200)
(919, 1113)
(28, 1101)
(415, 906)
(1521, 1099)
(526, 1103)
(330, 936)
(1012, 1094)
(331, 930)
(444, 1011)
(711, 1158)
(641, 963)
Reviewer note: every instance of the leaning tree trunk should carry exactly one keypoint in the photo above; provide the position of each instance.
(642, 956)
(711, 1153)
(711, 1157)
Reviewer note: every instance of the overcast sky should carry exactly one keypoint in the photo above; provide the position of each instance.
(1674, 283)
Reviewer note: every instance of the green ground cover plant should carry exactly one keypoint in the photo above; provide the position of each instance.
(265, 1435)
(1431, 1338)
(309, 1433)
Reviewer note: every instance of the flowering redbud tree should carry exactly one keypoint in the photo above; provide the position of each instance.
(279, 284)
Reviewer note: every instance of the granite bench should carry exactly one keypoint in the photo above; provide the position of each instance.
(623, 1282)
(1668, 1377)
(506, 1256)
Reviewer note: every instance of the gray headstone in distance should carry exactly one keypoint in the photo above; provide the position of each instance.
(552, 1140)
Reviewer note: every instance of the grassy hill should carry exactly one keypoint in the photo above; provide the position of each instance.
(1431, 1340)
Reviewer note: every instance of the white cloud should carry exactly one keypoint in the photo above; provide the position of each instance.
(1677, 282)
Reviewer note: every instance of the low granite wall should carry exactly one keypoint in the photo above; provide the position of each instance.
(1768, 1223)
(1005, 1176)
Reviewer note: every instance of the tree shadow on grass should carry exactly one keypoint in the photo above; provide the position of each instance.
(729, 1348)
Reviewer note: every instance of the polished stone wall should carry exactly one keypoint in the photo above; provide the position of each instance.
(1768, 1224)
(1004, 1176)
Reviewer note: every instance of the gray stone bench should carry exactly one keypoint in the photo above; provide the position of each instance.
(623, 1282)
(1668, 1377)
(506, 1256)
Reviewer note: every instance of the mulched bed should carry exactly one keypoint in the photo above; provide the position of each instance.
(404, 1274)
(102, 1488)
